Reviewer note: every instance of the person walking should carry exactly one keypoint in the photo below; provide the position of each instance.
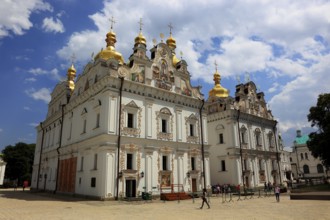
(277, 191)
(204, 199)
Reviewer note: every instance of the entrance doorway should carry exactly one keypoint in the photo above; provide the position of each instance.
(130, 188)
(194, 184)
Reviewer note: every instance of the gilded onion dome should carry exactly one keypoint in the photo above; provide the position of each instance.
(171, 42)
(71, 76)
(140, 39)
(218, 90)
(110, 51)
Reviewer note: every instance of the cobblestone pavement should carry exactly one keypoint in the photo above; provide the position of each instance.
(33, 206)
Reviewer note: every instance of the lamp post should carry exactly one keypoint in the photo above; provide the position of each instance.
(202, 140)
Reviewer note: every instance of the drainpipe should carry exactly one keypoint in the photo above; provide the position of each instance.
(41, 147)
(119, 133)
(202, 139)
(240, 146)
(277, 153)
(58, 149)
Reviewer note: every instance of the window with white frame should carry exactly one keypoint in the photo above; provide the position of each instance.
(243, 134)
(130, 120)
(270, 139)
(192, 124)
(258, 137)
(164, 124)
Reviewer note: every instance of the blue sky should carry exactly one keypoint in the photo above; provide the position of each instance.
(283, 46)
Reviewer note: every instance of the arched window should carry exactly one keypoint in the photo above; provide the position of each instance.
(258, 137)
(320, 168)
(306, 156)
(243, 135)
(306, 168)
(302, 156)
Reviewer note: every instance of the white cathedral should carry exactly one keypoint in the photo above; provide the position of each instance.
(123, 128)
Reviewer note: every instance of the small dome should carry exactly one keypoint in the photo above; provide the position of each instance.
(110, 51)
(175, 60)
(140, 39)
(71, 76)
(171, 42)
(218, 90)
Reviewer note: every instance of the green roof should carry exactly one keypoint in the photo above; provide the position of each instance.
(302, 139)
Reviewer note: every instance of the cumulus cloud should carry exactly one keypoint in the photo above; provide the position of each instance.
(42, 94)
(286, 43)
(15, 15)
(53, 74)
(53, 25)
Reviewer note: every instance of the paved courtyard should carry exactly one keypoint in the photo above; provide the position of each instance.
(27, 205)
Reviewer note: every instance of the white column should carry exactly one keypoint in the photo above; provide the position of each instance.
(148, 121)
(204, 118)
(112, 111)
(239, 171)
(179, 124)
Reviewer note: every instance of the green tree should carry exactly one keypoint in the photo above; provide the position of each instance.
(19, 159)
(319, 115)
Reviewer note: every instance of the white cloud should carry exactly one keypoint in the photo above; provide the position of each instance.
(15, 15)
(31, 79)
(34, 124)
(54, 73)
(41, 94)
(53, 25)
(26, 108)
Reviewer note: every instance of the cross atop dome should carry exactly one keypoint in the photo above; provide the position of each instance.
(141, 24)
(171, 27)
(113, 21)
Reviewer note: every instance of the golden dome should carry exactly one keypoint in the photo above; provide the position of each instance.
(71, 76)
(140, 39)
(110, 51)
(171, 42)
(175, 60)
(218, 90)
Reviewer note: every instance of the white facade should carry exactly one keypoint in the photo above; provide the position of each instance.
(242, 133)
(125, 128)
(2, 171)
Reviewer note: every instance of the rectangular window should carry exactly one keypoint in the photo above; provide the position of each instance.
(95, 161)
(221, 138)
(85, 125)
(193, 167)
(260, 165)
(191, 126)
(130, 118)
(164, 162)
(93, 182)
(223, 165)
(129, 162)
(164, 126)
(258, 139)
(245, 168)
(98, 120)
(82, 164)
(79, 180)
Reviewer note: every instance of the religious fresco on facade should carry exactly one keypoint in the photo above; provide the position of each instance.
(184, 88)
(166, 180)
(139, 76)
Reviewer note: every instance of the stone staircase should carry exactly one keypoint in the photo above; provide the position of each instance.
(174, 196)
